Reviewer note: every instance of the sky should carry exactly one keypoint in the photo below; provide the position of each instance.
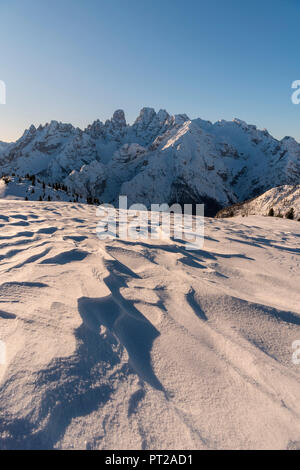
(80, 60)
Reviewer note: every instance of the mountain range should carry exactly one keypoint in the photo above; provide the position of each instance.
(158, 159)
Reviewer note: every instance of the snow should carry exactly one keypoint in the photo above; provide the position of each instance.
(3, 146)
(21, 188)
(123, 344)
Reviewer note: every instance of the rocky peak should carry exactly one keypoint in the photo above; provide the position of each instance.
(145, 117)
(95, 129)
(119, 118)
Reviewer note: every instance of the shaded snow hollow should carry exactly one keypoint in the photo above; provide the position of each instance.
(144, 345)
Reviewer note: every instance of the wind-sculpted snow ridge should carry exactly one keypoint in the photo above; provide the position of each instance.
(282, 201)
(160, 158)
(140, 344)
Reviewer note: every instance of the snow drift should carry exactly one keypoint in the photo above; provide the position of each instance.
(125, 344)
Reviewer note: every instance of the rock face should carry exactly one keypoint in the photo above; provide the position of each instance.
(159, 158)
(90, 180)
(282, 201)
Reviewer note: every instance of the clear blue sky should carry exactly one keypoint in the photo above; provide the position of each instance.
(79, 60)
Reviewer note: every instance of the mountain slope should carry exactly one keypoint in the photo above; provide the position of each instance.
(280, 201)
(3, 147)
(160, 158)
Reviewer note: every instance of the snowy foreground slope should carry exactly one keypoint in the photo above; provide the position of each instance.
(144, 345)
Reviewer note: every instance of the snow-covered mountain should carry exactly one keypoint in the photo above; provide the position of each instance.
(160, 158)
(3, 146)
(282, 201)
(141, 344)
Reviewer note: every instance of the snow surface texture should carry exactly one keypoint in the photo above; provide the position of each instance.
(281, 199)
(158, 159)
(144, 345)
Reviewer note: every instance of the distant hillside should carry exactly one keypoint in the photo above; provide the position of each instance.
(33, 189)
(283, 201)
